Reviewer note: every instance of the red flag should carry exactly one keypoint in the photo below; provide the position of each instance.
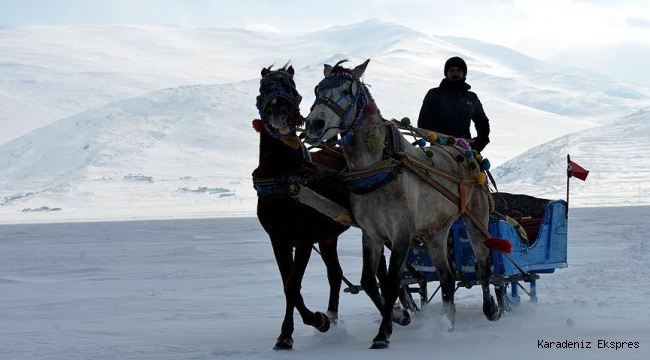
(576, 170)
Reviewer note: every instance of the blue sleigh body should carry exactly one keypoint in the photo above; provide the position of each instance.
(545, 251)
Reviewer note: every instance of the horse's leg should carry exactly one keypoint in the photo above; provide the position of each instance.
(334, 275)
(399, 252)
(283, 251)
(382, 271)
(437, 248)
(490, 308)
(372, 252)
(316, 319)
(400, 315)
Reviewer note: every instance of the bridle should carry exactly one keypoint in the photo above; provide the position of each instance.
(282, 86)
(358, 101)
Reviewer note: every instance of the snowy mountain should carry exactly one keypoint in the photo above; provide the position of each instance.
(613, 153)
(137, 155)
(52, 72)
(122, 122)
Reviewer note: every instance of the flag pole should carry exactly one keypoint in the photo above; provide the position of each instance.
(568, 163)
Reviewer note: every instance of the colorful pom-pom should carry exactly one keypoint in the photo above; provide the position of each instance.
(469, 153)
(258, 125)
(473, 165)
(462, 143)
(429, 153)
(371, 108)
(485, 164)
(481, 178)
(478, 157)
(432, 137)
(405, 121)
(421, 142)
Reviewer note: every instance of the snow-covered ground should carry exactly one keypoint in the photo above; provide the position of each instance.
(210, 289)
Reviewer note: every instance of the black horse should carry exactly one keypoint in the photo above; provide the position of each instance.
(284, 161)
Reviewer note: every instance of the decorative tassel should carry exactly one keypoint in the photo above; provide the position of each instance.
(258, 125)
(498, 244)
(371, 109)
(374, 141)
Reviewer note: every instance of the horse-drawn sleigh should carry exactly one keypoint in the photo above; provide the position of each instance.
(430, 204)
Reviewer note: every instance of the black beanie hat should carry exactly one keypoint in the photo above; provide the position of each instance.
(456, 62)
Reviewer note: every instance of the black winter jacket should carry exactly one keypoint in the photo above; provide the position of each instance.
(449, 109)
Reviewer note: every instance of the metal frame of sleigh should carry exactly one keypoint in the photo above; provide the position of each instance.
(538, 235)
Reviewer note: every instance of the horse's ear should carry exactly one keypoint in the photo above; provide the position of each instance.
(265, 71)
(359, 70)
(290, 70)
(327, 70)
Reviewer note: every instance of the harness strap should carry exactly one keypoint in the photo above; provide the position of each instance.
(331, 104)
(380, 167)
(453, 198)
(463, 196)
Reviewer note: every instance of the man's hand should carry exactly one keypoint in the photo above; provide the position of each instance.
(478, 143)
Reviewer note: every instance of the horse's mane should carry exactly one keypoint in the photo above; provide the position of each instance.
(283, 68)
(338, 68)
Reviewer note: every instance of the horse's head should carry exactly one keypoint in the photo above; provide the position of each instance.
(278, 102)
(340, 103)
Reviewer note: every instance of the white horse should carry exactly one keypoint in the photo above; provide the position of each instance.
(410, 196)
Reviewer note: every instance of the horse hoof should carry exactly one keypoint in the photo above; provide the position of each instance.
(494, 316)
(334, 317)
(382, 344)
(283, 344)
(492, 311)
(401, 316)
(325, 322)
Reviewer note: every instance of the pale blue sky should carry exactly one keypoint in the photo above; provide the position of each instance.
(536, 27)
